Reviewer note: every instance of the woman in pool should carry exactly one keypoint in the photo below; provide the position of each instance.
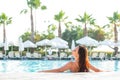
(81, 63)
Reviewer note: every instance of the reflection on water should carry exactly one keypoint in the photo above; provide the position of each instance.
(116, 65)
(38, 65)
(3, 66)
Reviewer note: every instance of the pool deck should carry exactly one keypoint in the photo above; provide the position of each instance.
(60, 76)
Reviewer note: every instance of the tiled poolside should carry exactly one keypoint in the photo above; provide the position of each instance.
(61, 76)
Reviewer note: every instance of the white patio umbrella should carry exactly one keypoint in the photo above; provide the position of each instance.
(45, 43)
(21, 46)
(58, 46)
(73, 45)
(111, 44)
(58, 43)
(58, 40)
(107, 42)
(88, 41)
(103, 48)
(28, 44)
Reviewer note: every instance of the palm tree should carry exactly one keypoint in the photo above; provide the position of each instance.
(98, 33)
(33, 4)
(60, 18)
(115, 20)
(86, 19)
(5, 20)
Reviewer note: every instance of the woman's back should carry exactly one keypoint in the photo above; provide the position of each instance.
(80, 64)
(74, 67)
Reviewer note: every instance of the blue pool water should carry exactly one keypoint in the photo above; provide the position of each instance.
(38, 65)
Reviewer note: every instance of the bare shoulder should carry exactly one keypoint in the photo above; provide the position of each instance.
(73, 67)
(94, 68)
(70, 63)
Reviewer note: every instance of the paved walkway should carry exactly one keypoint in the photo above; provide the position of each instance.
(61, 76)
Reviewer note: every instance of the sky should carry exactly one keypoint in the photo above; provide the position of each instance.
(99, 9)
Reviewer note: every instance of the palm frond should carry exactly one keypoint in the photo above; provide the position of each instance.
(43, 7)
(23, 11)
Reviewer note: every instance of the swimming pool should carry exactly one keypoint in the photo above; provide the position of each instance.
(38, 65)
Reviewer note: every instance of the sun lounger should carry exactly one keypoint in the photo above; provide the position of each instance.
(36, 55)
(63, 55)
(28, 55)
(11, 55)
(94, 56)
(17, 55)
(1, 55)
(102, 56)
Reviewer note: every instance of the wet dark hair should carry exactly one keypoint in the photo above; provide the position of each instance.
(83, 59)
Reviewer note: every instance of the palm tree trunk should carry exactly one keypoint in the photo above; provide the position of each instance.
(4, 33)
(32, 28)
(115, 39)
(4, 37)
(59, 30)
(32, 25)
(85, 30)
